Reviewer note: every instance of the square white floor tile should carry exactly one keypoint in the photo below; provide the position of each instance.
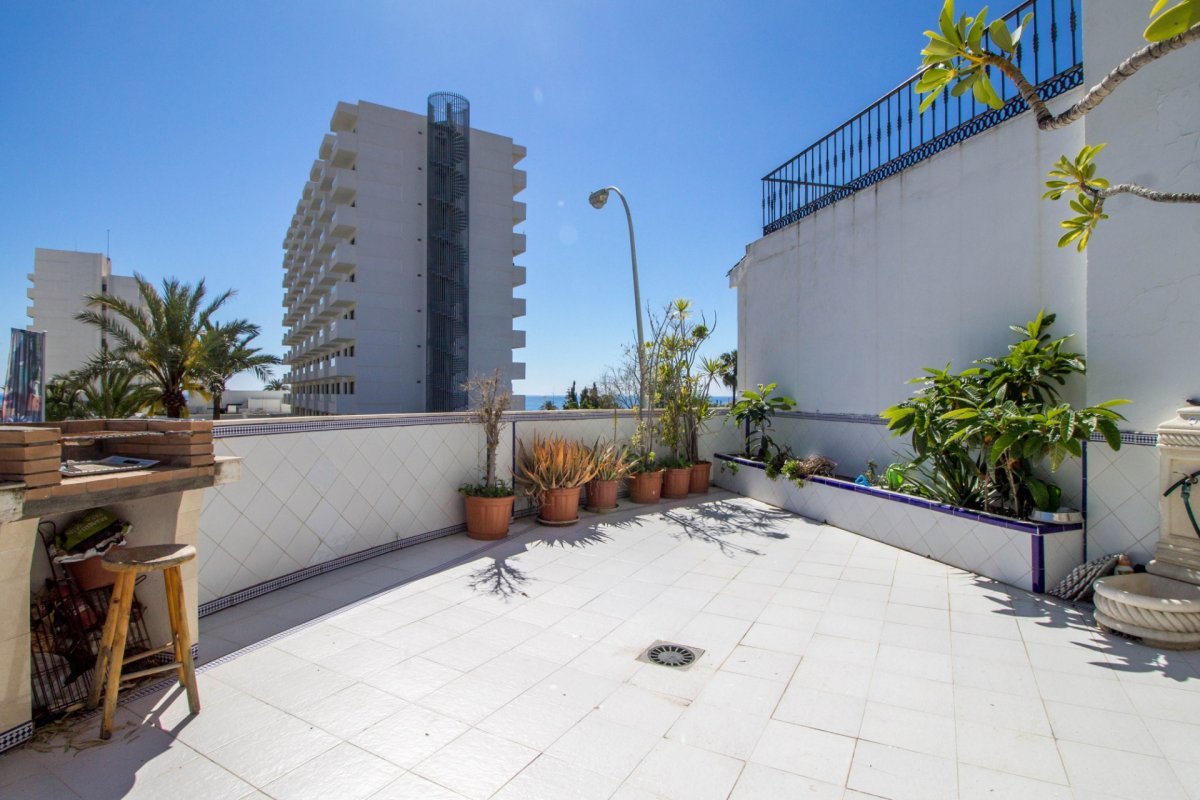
(476, 764)
(677, 772)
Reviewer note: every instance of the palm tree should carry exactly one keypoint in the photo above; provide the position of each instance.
(160, 341)
(275, 385)
(729, 371)
(226, 351)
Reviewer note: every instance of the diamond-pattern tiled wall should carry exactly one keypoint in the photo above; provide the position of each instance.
(1123, 501)
(310, 497)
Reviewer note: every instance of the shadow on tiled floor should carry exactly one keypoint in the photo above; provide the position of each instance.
(835, 667)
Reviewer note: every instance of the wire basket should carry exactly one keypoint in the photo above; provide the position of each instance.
(65, 629)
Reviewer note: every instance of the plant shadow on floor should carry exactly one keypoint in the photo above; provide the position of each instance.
(1113, 651)
(722, 523)
(503, 579)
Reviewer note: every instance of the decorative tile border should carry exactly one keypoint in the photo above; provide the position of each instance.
(16, 736)
(233, 428)
(1127, 437)
(266, 587)
(1034, 528)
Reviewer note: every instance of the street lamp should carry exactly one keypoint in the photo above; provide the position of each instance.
(598, 198)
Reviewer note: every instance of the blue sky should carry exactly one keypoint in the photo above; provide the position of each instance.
(188, 129)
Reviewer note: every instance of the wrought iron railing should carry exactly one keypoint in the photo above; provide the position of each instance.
(890, 135)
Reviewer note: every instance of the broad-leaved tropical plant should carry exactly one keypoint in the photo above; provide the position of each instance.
(755, 410)
(978, 435)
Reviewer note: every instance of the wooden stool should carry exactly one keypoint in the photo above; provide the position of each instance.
(128, 563)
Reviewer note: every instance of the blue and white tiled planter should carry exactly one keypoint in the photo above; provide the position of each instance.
(1028, 555)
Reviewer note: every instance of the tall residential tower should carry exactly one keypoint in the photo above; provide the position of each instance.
(399, 271)
(60, 280)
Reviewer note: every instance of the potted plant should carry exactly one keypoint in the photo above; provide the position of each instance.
(553, 472)
(683, 391)
(489, 503)
(612, 463)
(645, 479)
(677, 477)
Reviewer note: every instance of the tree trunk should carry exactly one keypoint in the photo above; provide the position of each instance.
(216, 396)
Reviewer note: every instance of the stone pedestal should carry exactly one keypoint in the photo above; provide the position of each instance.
(1162, 607)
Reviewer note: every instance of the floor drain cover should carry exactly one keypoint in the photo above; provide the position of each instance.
(669, 654)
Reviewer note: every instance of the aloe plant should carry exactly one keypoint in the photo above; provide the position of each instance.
(551, 462)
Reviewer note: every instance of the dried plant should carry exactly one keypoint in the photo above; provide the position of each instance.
(488, 404)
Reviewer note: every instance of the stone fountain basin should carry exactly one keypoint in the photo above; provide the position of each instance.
(1163, 612)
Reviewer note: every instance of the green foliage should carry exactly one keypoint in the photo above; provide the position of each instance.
(797, 469)
(160, 342)
(755, 409)
(497, 489)
(225, 350)
(549, 406)
(977, 435)
(957, 57)
(276, 385)
(571, 401)
(681, 386)
(1078, 175)
(1175, 20)
(591, 398)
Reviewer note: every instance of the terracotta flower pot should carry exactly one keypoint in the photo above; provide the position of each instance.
(645, 487)
(488, 517)
(559, 506)
(676, 481)
(602, 496)
(701, 472)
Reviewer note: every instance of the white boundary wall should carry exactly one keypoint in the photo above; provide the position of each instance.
(933, 264)
(317, 490)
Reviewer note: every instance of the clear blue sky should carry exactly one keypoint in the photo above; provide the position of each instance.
(188, 130)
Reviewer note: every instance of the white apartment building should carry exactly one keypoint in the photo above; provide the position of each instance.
(61, 279)
(399, 271)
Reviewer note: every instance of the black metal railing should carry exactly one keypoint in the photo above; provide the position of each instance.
(890, 135)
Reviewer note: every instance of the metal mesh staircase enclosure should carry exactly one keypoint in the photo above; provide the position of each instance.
(448, 253)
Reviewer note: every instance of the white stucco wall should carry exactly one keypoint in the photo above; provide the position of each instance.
(932, 265)
(1143, 266)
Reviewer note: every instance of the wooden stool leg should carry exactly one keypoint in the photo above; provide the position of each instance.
(106, 640)
(177, 610)
(117, 655)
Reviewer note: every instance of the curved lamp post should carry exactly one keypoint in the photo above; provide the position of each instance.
(598, 198)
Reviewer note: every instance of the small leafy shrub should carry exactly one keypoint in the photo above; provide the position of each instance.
(755, 409)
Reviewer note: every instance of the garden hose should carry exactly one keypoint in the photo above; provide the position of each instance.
(1184, 485)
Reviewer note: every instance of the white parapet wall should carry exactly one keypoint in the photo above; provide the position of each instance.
(318, 493)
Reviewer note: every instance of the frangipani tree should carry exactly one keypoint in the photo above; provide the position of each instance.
(961, 53)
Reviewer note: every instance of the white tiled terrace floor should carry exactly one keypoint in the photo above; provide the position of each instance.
(834, 667)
